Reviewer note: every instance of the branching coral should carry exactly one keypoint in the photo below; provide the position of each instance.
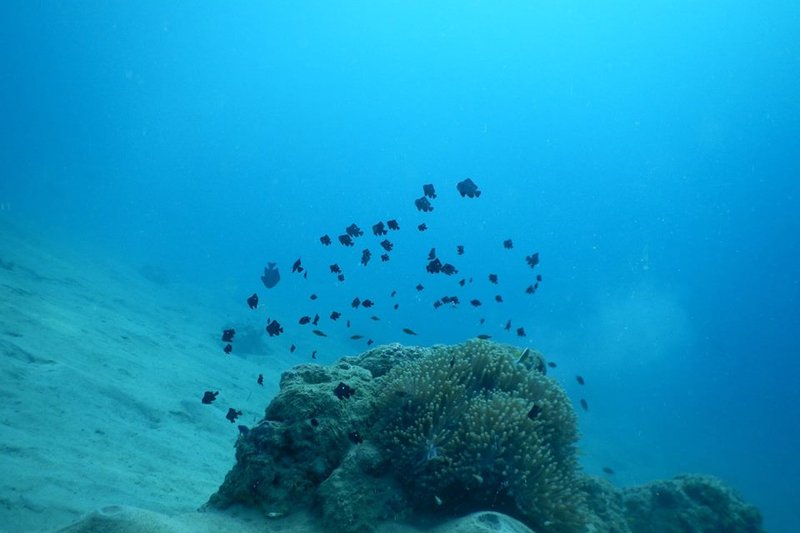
(470, 427)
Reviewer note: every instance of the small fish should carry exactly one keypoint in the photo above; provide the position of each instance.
(304, 320)
(209, 397)
(532, 259)
(375, 318)
(538, 277)
(243, 430)
(526, 353)
(423, 204)
(260, 379)
(340, 277)
(460, 249)
(478, 478)
(297, 266)
(507, 327)
(271, 276)
(314, 422)
(228, 348)
(354, 231)
(365, 256)
(312, 297)
(367, 303)
(462, 281)
(343, 391)
(482, 321)
(252, 302)
(292, 348)
(227, 335)
(314, 354)
(448, 269)
(584, 404)
(356, 302)
(454, 300)
(325, 240)
(335, 315)
(393, 294)
(520, 332)
(316, 319)
(408, 331)
(335, 269)
(484, 337)
(580, 380)
(346, 240)
(378, 229)
(437, 304)
(534, 412)
(274, 328)
(468, 188)
(393, 225)
(530, 290)
(432, 254)
(493, 278)
(422, 227)
(395, 306)
(355, 437)
(419, 287)
(498, 298)
(434, 267)
(348, 323)
(369, 342)
(608, 471)
(356, 337)
(446, 299)
(508, 244)
(437, 500)
(233, 414)
(475, 303)
(384, 258)
(387, 245)
(318, 333)
(552, 364)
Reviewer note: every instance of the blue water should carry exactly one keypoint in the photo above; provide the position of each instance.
(648, 151)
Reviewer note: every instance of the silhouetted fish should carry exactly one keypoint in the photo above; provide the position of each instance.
(408, 331)
(462, 281)
(271, 276)
(584, 404)
(534, 412)
(445, 299)
(356, 337)
(393, 294)
(316, 319)
(428, 190)
(608, 471)
(346, 240)
(493, 278)
(297, 266)
(365, 256)
(422, 227)
(209, 397)
(396, 306)
(318, 333)
(434, 267)
(530, 290)
(369, 342)
(252, 302)
(375, 317)
(356, 302)
(520, 332)
(314, 354)
(340, 277)
(484, 336)
(348, 324)
(507, 244)
(580, 380)
(354, 231)
(304, 320)
(448, 269)
(292, 348)
(432, 254)
(314, 422)
(498, 298)
(378, 229)
(367, 303)
(393, 225)
(538, 278)
(419, 287)
(274, 328)
(460, 249)
(387, 245)
(532, 259)
(475, 303)
(384, 258)
(468, 188)
(260, 379)
(228, 348)
(423, 204)
(551, 364)
(312, 297)
(227, 335)
(325, 240)
(437, 304)
(335, 315)
(507, 327)
(343, 391)
(335, 269)
(233, 414)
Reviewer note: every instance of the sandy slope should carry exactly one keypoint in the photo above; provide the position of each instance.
(101, 372)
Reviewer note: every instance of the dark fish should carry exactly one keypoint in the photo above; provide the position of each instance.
(367, 303)
(355, 437)
(346, 240)
(393, 225)
(460, 249)
(305, 275)
(271, 276)
(314, 354)
(356, 337)
(530, 290)
(468, 188)
(233, 414)
(432, 254)
(335, 269)
(534, 412)
(343, 391)
(484, 337)
(498, 298)
(475, 303)
(292, 348)
(252, 302)
(520, 332)
(419, 286)
(551, 364)
(508, 326)
(538, 278)
(393, 294)
(378, 229)
(340, 277)
(408, 331)
(369, 342)
(260, 379)
(437, 304)
(454, 300)
(228, 348)
(296, 266)
(365, 256)
(209, 397)
(304, 320)
(274, 328)
(493, 278)
(448, 269)
(316, 319)
(608, 471)
(375, 318)
(356, 302)
(423, 204)
(428, 190)
(312, 297)
(348, 323)
(318, 333)
(243, 430)
(445, 299)
(532, 259)
(384, 257)
(422, 227)
(354, 231)
(227, 335)
(396, 306)
(507, 244)
(314, 422)
(325, 240)
(434, 267)
(387, 245)
(584, 404)
(580, 380)
(335, 315)
(462, 281)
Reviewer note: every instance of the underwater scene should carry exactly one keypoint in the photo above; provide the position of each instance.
(353, 267)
